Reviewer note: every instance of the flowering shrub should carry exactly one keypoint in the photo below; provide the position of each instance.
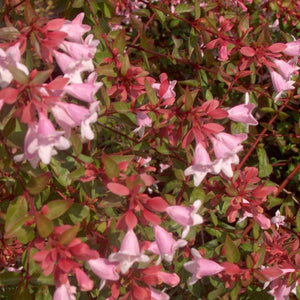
(149, 149)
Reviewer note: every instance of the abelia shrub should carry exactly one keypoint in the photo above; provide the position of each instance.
(149, 149)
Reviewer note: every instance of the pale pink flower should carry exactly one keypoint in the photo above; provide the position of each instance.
(286, 69)
(158, 295)
(185, 216)
(201, 166)
(85, 91)
(104, 269)
(10, 57)
(81, 51)
(69, 115)
(71, 67)
(169, 92)
(201, 267)
(164, 245)
(143, 121)
(292, 48)
(278, 219)
(75, 29)
(226, 146)
(129, 253)
(280, 84)
(171, 279)
(243, 113)
(65, 292)
(40, 140)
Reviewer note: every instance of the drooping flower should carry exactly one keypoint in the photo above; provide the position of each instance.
(104, 269)
(201, 267)
(129, 253)
(278, 219)
(292, 48)
(65, 292)
(164, 245)
(201, 166)
(185, 216)
(40, 140)
(243, 112)
(143, 121)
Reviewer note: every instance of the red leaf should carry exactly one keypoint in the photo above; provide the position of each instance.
(212, 44)
(9, 95)
(147, 179)
(150, 217)
(277, 47)
(213, 127)
(54, 24)
(118, 189)
(28, 113)
(58, 83)
(187, 139)
(271, 273)
(157, 204)
(218, 113)
(130, 219)
(248, 51)
(163, 87)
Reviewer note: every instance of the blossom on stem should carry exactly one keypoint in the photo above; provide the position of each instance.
(104, 269)
(164, 245)
(278, 219)
(243, 112)
(65, 292)
(201, 166)
(129, 253)
(40, 140)
(201, 267)
(143, 121)
(185, 216)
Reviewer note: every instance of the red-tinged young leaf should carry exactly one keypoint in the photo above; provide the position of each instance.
(163, 87)
(277, 47)
(150, 217)
(157, 204)
(263, 191)
(58, 83)
(110, 166)
(244, 73)
(28, 114)
(213, 127)
(261, 256)
(147, 179)
(248, 51)
(230, 268)
(187, 140)
(231, 251)
(118, 189)
(44, 226)
(271, 273)
(54, 24)
(69, 234)
(218, 114)
(57, 208)
(130, 219)
(212, 44)
(9, 95)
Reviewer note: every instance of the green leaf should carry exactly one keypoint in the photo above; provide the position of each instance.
(110, 166)
(234, 293)
(44, 226)
(15, 216)
(231, 251)
(41, 76)
(261, 256)
(107, 70)
(121, 107)
(18, 75)
(265, 169)
(9, 33)
(151, 93)
(125, 64)
(69, 235)
(76, 143)
(57, 208)
(22, 291)
(43, 293)
(183, 8)
(37, 184)
(120, 41)
(10, 278)
(78, 3)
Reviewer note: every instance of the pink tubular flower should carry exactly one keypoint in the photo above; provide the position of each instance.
(201, 166)
(201, 267)
(185, 216)
(164, 245)
(143, 121)
(129, 253)
(65, 292)
(85, 283)
(69, 115)
(84, 91)
(104, 269)
(158, 295)
(292, 48)
(278, 219)
(226, 146)
(280, 84)
(242, 113)
(286, 69)
(40, 140)
(75, 29)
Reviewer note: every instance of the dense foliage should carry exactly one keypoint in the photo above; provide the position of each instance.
(149, 148)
